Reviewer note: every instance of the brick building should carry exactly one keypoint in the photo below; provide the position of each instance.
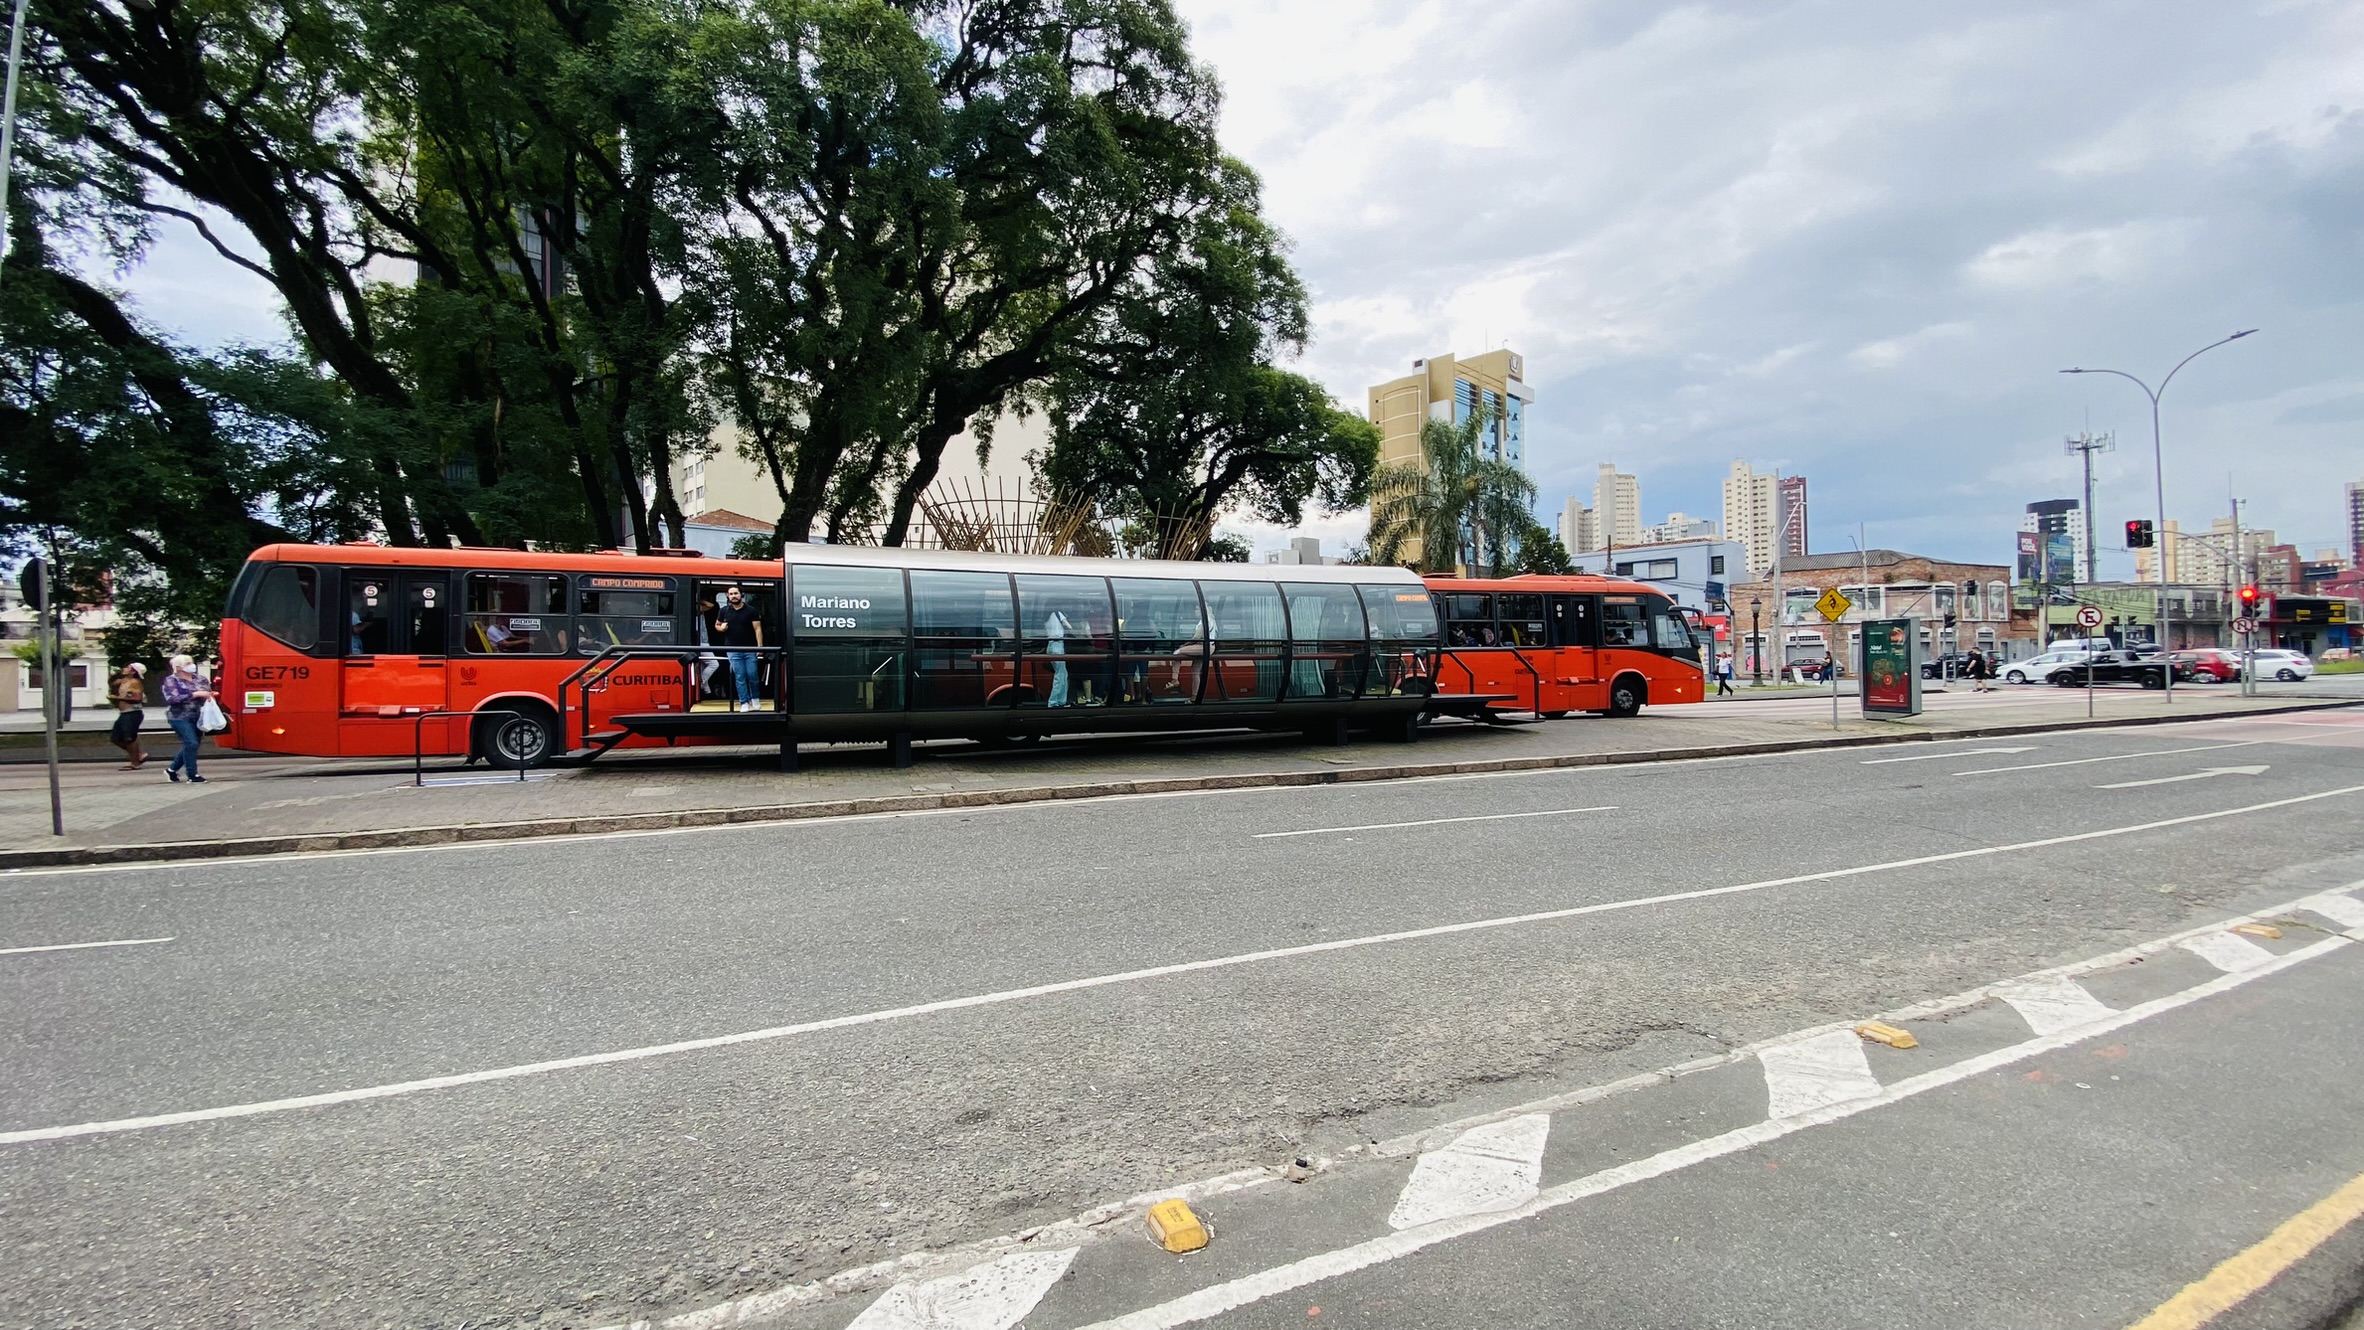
(1883, 584)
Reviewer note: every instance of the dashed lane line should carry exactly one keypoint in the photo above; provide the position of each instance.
(1431, 822)
(85, 946)
(624, 1055)
(2114, 757)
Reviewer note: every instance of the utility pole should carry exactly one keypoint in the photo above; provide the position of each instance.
(2085, 445)
(2232, 599)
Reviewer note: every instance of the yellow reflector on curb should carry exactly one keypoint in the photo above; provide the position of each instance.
(1880, 1032)
(2258, 930)
(1175, 1227)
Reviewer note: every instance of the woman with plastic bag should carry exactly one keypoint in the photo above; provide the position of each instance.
(186, 698)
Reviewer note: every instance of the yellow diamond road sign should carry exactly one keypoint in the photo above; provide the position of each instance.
(1833, 605)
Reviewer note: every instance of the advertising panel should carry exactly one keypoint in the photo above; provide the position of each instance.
(1891, 667)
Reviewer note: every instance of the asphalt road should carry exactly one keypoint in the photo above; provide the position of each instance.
(927, 1029)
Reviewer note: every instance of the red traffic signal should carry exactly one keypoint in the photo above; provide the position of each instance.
(2139, 534)
(2248, 597)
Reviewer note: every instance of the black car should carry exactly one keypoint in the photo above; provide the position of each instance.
(2146, 668)
(1951, 665)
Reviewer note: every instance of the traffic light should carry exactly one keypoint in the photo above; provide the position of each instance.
(2140, 535)
(2248, 599)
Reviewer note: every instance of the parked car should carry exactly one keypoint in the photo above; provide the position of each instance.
(2208, 665)
(1951, 665)
(2149, 669)
(2036, 669)
(2287, 666)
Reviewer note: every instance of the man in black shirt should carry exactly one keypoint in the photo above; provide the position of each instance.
(739, 624)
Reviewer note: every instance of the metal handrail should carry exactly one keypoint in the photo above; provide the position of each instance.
(418, 738)
(610, 657)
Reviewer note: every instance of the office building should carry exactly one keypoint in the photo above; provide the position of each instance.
(1792, 517)
(1578, 530)
(1449, 388)
(1617, 506)
(1680, 526)
(1300, 550)
(2356, 522)
(1696, 573)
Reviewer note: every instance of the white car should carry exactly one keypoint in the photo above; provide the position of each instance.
(2288, 666)
(2036, 669)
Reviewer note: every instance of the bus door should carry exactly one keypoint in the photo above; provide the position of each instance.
(1576, 641)
(397, 641)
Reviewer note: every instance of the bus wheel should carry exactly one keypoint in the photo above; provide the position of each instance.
(1627, 695)
(516, 738)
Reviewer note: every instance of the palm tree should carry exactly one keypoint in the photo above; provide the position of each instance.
(1460, 507)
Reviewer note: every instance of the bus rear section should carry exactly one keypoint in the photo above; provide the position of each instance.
(1557, 645)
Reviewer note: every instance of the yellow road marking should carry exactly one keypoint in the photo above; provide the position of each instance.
(2204, 1300)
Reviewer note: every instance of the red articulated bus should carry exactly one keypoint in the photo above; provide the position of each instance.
(1555, 645)
(518, 656)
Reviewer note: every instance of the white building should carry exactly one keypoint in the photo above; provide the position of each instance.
(1617, 507)
(1578, 529)
(1680, 526)
(1691, 572)
(1300, 550)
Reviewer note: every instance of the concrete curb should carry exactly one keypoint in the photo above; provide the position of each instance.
(325, 842)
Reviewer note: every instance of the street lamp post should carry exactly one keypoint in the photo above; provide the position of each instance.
(1756, 643)
(2159, 482)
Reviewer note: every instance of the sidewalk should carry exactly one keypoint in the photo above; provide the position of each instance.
(273, 805)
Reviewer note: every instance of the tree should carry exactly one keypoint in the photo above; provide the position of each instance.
(928, 202)
(1540, 551)
(1456, 506)
(1169, 410)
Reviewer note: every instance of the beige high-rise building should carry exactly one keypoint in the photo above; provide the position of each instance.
(1578, 531)
(1617, 506)
(1752, 513)
(1450, 388)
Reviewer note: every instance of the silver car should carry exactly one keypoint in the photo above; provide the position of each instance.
(2287, 666)
(2036, 669)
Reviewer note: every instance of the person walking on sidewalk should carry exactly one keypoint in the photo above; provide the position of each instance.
(129, 693)
(184, 696)
(1723, 676)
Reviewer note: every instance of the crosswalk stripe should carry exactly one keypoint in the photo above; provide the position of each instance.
(1495, 1167)
(2344, 910)
(2052, 1005)
(992, 1296)
(1815, 1073)
(2228, 953)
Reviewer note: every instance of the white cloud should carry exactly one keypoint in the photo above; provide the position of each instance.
(2052, 257)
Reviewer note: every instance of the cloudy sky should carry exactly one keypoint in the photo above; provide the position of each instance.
(1853, 240)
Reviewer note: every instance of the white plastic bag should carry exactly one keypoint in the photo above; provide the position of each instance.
(210, 718)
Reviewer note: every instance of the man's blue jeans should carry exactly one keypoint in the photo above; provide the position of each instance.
(743, 676)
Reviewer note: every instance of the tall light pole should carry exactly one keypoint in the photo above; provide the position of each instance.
(2159, 480)
(16, 51)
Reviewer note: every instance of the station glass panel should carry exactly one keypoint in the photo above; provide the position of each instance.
(1066, 627)
(1403, 640)
(1329, 647)
(1521, 619)
(964, 640)
(1161, 638)
(850, 633)
(1251, 635)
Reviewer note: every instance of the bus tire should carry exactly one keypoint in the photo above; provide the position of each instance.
(1627, 695)
(517, 736)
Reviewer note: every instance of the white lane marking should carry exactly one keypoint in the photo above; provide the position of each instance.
(2341, 909)
(1107, 980)
(2114, 757)
(993, 1296)
(1495, 1167)
(1095, 1222)
(2227, 952)
(2050, 1006)
(83, 946)
(1431, 822)
(1808, 1074)
(1207, 1303)
(2209, 773)
(1958, 752)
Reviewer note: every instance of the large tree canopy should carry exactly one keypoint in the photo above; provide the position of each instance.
(530, 252)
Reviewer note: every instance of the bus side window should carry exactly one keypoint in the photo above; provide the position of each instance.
(1521, 617)
(369, 613)
(284, 604)
(1469, 620)
(516, 614)
(1623, 623)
